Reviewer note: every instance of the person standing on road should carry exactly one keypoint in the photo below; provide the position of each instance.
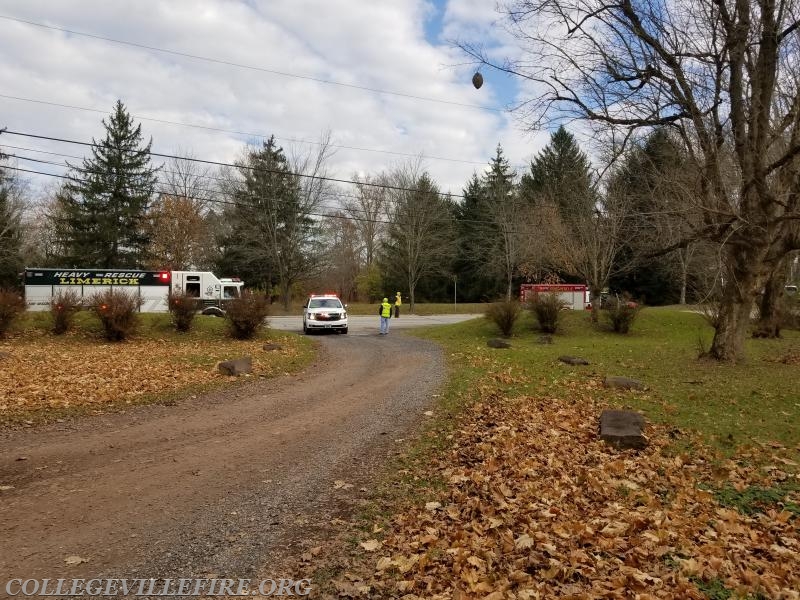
(385, 312)
(397, 302)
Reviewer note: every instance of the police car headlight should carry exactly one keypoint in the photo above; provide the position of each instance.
(311, 317)
(344, 315)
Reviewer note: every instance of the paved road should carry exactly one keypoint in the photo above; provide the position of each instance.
(367, 324)
(215, 485)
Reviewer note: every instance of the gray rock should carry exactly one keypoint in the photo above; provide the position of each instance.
(623, 429)
(269, 347)
(544, 339)
(5, 355)
(498, 343)
(573, 360)
(237, 366)
(624, 383)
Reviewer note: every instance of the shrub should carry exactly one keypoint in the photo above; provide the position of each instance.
(547, 309)
(11, 306)
(246, 315)
(504, 315)
(118, 313)
(63, 307)
(621, 314)
(183, 309)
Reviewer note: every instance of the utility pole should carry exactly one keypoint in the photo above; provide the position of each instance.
(455, 293)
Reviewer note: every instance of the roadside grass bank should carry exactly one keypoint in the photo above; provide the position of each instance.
(44, 377)
(508, 493)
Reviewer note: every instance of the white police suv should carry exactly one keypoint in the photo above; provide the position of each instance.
(324, 311)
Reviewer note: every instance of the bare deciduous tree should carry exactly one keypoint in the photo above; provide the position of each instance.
(722, 74)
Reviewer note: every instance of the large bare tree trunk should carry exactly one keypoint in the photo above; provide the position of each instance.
(594, 300)
(770, 305)
(742, 284)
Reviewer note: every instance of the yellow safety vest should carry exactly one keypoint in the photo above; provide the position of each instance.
(386, 309)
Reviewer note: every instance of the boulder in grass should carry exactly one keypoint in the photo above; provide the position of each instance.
(270, 347)
(237, 366)
(623, 429)
(544, 339)
(498, 343)
(573, 360)
(624, 383)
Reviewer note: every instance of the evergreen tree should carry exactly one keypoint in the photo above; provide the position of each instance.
(561, 175)
(107, 199)
(10, 232)
(652, 177)
(272, 239)
(475, 284)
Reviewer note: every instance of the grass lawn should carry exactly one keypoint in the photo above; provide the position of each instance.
(46, 377)
(731, 405)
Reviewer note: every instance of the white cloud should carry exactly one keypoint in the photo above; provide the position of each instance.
(370, 44)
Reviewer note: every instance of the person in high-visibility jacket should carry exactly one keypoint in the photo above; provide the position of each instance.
(385, 312)
(397, 302)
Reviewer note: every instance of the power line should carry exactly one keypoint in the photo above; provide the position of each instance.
(243, 133)
(248, 67)
(165, 183)
(215, 200)
(224, 164)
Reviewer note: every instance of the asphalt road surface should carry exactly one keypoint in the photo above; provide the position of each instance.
(366, 324)
(216, 485)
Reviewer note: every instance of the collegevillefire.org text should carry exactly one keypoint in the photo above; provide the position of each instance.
(67, 588)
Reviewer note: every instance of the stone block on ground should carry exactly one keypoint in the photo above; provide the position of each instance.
(623, 429)
(270, 347)
(237, 366)
(573, 360)
(544, 339)
(624, 383)
(498, 343)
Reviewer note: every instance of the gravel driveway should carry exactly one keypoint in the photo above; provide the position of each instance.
(214, 485)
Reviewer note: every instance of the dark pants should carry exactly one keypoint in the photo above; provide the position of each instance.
(396, 311)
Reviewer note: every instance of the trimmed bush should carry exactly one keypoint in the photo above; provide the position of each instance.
(118, 313)
(246, 315)
(63, 307)
(547, 310)
(621, 314)
(183, 309)
(11, 306)
(504, 315)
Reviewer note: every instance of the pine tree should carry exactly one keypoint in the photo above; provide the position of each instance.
(10, 233)
(561, 174)
(272, 235)
(504, 233)
(107, 199)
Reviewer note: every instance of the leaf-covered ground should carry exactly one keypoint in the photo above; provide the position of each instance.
(515, 497)
(44, 376)
(534, 506)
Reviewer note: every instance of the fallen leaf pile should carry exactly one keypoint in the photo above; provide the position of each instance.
(535, 506)
(42, 374)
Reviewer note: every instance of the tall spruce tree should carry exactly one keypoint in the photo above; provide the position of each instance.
(106, 200)
(273, 238)
(505, 238)
(561, 174)
(10, 231)
(475, 284)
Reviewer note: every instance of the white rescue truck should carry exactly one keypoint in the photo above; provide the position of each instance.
(153, 287)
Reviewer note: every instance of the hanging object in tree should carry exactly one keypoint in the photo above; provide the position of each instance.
(477, 80)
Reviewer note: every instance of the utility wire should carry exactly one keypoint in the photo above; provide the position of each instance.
(224, 164)
(246, 133)
(248, 67)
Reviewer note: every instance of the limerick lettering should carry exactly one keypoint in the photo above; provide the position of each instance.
(99, 277)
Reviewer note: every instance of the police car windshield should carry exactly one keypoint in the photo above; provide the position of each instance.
(324, 303)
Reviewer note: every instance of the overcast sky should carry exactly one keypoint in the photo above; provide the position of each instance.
(399, 45)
